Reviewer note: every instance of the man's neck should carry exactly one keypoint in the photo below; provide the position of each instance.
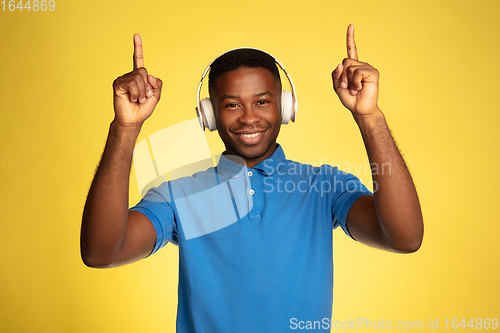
(251, 162)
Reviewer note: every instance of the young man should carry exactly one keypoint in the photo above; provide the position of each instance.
(253, 255)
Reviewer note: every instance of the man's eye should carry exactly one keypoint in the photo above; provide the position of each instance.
(262, 102)
(231, 105)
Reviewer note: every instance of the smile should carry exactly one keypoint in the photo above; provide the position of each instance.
(251, 135)
(250, 138)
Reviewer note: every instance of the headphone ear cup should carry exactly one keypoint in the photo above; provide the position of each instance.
(201, 118)
(207, 113)
(287, 109)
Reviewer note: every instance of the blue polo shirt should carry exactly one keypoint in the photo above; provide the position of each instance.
(255, 244)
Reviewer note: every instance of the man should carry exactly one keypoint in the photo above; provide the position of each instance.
(267, 259)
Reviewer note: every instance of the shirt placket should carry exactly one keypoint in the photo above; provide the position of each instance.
(255, 191)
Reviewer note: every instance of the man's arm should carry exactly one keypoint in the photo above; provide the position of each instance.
(391, 219)
(110, 234)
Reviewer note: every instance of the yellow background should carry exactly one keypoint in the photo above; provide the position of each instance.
(439, 90)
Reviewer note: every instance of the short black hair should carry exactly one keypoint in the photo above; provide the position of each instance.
(246, 58)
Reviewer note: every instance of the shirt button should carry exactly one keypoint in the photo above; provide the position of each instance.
(251, 192)
(250, 173)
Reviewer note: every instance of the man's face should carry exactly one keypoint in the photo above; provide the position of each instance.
(247, 110)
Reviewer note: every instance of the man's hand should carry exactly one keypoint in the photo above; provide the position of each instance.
(356, 82)
(391, 219)
(110, 234)
(136, 93)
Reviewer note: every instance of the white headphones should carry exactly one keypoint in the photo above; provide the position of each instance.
(205, 109)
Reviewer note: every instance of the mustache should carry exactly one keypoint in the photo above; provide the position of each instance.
(255, 127)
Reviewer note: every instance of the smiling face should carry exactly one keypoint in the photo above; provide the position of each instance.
(247, 110)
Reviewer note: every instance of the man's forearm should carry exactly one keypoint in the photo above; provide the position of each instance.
(396, 200)
(105, 214)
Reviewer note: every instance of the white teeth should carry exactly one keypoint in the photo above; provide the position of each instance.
(251, 135)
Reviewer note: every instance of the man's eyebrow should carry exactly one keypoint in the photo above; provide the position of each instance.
(228, 97)
(267, 92)
(264, 93)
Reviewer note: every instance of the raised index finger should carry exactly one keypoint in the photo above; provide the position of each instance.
(138, 56)
(352, 52)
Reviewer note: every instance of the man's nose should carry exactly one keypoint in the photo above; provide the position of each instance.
(249, 116)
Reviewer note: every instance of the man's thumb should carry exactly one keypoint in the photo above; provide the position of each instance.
(156, 83)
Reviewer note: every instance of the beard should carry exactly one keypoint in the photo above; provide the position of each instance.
(251, 152)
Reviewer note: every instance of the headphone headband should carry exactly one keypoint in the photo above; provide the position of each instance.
(294, 97)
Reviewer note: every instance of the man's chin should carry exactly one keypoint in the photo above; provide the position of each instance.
(254, 152)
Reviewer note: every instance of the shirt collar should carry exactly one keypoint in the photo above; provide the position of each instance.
(229, 168)
(271, 164)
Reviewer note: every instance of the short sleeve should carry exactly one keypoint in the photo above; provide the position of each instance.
(347, 189)
(157, 207)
